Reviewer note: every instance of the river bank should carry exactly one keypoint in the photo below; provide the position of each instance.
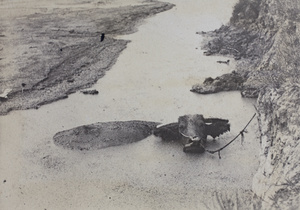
(53, 52)
(263, 36)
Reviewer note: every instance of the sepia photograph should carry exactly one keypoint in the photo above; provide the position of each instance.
(149, 104)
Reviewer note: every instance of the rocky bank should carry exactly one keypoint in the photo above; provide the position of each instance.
(278, 176)
(263, 36)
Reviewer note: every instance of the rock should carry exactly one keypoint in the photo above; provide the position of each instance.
(226, 82)
(208, 81)
(104, 134)
(250, 92)
(208, 53)
(201, 32)
(225, 62)
(4, 95)
(90, 92)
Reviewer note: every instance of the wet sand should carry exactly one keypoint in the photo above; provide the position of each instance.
(149, 81)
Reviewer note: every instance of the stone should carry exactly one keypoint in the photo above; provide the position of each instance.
(226, 82)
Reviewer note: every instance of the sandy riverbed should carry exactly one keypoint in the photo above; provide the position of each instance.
(150, 81)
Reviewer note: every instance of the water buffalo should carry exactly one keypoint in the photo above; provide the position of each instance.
(192, 130)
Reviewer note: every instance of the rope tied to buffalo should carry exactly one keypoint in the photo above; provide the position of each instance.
(241, 133)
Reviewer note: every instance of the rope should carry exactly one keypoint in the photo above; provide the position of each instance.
(240, 134)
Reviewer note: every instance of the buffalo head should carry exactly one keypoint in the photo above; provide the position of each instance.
(196, 128)
(192, 127)
(193, 130)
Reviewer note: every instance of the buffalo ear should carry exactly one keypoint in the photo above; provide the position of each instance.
(182, 118)
(215, 120)
(215, 127)
(199, 116)
(182, 123)
(168, 132)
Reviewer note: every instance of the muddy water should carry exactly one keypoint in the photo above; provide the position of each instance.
(150, 81)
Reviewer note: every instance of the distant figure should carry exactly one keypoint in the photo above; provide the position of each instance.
(226, 62)
(23, 86)
(102, 37)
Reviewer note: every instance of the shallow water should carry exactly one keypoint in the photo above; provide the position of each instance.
(150, 81)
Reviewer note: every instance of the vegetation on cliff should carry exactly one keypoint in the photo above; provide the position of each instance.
(277, 181)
